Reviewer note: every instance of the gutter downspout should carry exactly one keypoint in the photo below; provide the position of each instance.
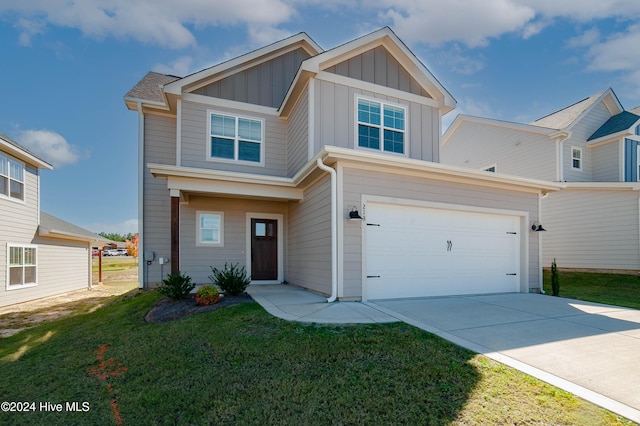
(334, 230)
(541, 268)
(141, 270)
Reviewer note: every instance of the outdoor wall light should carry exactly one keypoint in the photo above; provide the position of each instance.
(537, 227)
(353, 214)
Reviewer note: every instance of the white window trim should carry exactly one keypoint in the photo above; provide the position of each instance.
(199, 242)
(8, 275)
(382, 103)
(235, 148)
(581, 159)
(638, 163)
(10, 160)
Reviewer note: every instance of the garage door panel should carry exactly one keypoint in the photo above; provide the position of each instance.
(418, 252)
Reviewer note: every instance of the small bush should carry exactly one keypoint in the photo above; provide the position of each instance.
(176, 286)
(231, 279)
(207, 295)
(555, 279)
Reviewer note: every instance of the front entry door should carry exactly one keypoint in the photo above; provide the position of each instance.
(264, 249)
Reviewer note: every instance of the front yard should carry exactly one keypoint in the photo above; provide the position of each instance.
(239, 365)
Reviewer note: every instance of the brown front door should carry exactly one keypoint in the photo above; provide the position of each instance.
(264, 249)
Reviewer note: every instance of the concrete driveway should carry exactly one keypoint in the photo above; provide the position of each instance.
(588, 349)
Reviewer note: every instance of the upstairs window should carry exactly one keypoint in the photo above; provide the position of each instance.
(235, 139)
(576, 158)
(11, 178)
(22, 266)
(381, 126)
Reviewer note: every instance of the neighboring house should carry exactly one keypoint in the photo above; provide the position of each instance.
(593, 148)
(271, 159)
(40, 255)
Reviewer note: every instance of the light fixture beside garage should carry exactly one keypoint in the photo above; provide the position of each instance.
(537, 227)
(354, 215)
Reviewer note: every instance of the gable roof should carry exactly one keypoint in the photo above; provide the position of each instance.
(567, 117)
(618, 123)
(51, 226)
(149, 89)
(15, 149)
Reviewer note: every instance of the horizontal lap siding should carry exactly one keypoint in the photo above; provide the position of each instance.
(309, 239)
(298, 138)
(606, 163)
(160, 147)
(195, 141)
(591, 229)
(377, 183)
(579, 135)
(197, 261)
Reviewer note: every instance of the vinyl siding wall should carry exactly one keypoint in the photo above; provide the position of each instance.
(309, 238)
(298, 136)
(513, 152)
(196, 261)
(606, 163)
(159, 147)
(336, 120)
(378, 183)
(591, 229)
(195, 141)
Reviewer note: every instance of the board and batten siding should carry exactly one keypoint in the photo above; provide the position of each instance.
(606, 162)
(378, 66)
(592, 229)
(265, 84)
(336, 120)
(196, 261)
(513, 152)
(159, 147)
(195, 141)
(359, 182)
(309, 238)
(298, 136)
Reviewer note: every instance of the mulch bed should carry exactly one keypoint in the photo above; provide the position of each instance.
(168, 310)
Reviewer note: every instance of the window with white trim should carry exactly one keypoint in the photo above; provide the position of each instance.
(23, 266)
(11, 177)
(576, 158)
(234, 138)
(210, 230)
(381, 126)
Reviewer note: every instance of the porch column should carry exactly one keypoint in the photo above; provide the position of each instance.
(175, 233)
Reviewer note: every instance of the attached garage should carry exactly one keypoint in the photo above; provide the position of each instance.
(421, 251)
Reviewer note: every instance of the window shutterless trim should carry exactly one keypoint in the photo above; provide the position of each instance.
(579, 158)
(382, 128)
(235, 139)
(22, 265)
(9, 179)
(220, 229)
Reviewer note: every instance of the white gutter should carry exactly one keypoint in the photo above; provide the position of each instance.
(334, 230)
(141, 268)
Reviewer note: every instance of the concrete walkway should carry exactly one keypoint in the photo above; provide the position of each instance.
(588, 349)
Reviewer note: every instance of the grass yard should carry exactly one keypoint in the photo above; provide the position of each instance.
(239, 365)
(613, 289)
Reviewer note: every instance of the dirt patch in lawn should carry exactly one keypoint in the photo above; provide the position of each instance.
(169, 310)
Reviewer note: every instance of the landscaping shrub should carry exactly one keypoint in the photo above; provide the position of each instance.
(207, 295)
(176, 286)
(231, 279)
(555, 279)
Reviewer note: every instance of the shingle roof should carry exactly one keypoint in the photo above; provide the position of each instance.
(16, 145)
(617, 123)
(149, 88)
(54, 225)
(561, 119)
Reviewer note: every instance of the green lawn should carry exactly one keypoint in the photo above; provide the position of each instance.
(239, 365)
(614, 289)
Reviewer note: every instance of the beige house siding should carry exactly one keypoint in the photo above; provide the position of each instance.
(336, 120)
(360, 182)
(159, 147)
(309, 238)
(196, 261)
(606, 163)
(195, 141)
(298, 136)
(512, 152)
(264, 84)
(577, 235)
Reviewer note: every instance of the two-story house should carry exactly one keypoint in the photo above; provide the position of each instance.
(320, 169)
(40, 255)
(592, 148)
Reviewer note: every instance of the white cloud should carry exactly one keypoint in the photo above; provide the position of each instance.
(462, 63)
(129, 226)
(180, 67)
(49, 145)
(28, 29)
(468, 106)
(588, 38)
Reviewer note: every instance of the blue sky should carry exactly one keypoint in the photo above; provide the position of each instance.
(66, 66)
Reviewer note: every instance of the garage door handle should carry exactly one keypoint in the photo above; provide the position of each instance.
(373, 276)
(512, 274)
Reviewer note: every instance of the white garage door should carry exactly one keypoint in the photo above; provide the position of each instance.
(418, 252)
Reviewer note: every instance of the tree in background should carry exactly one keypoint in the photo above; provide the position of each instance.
(113, 236)
(132, 246)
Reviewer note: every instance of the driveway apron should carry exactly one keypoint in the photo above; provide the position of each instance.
(589, 349)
